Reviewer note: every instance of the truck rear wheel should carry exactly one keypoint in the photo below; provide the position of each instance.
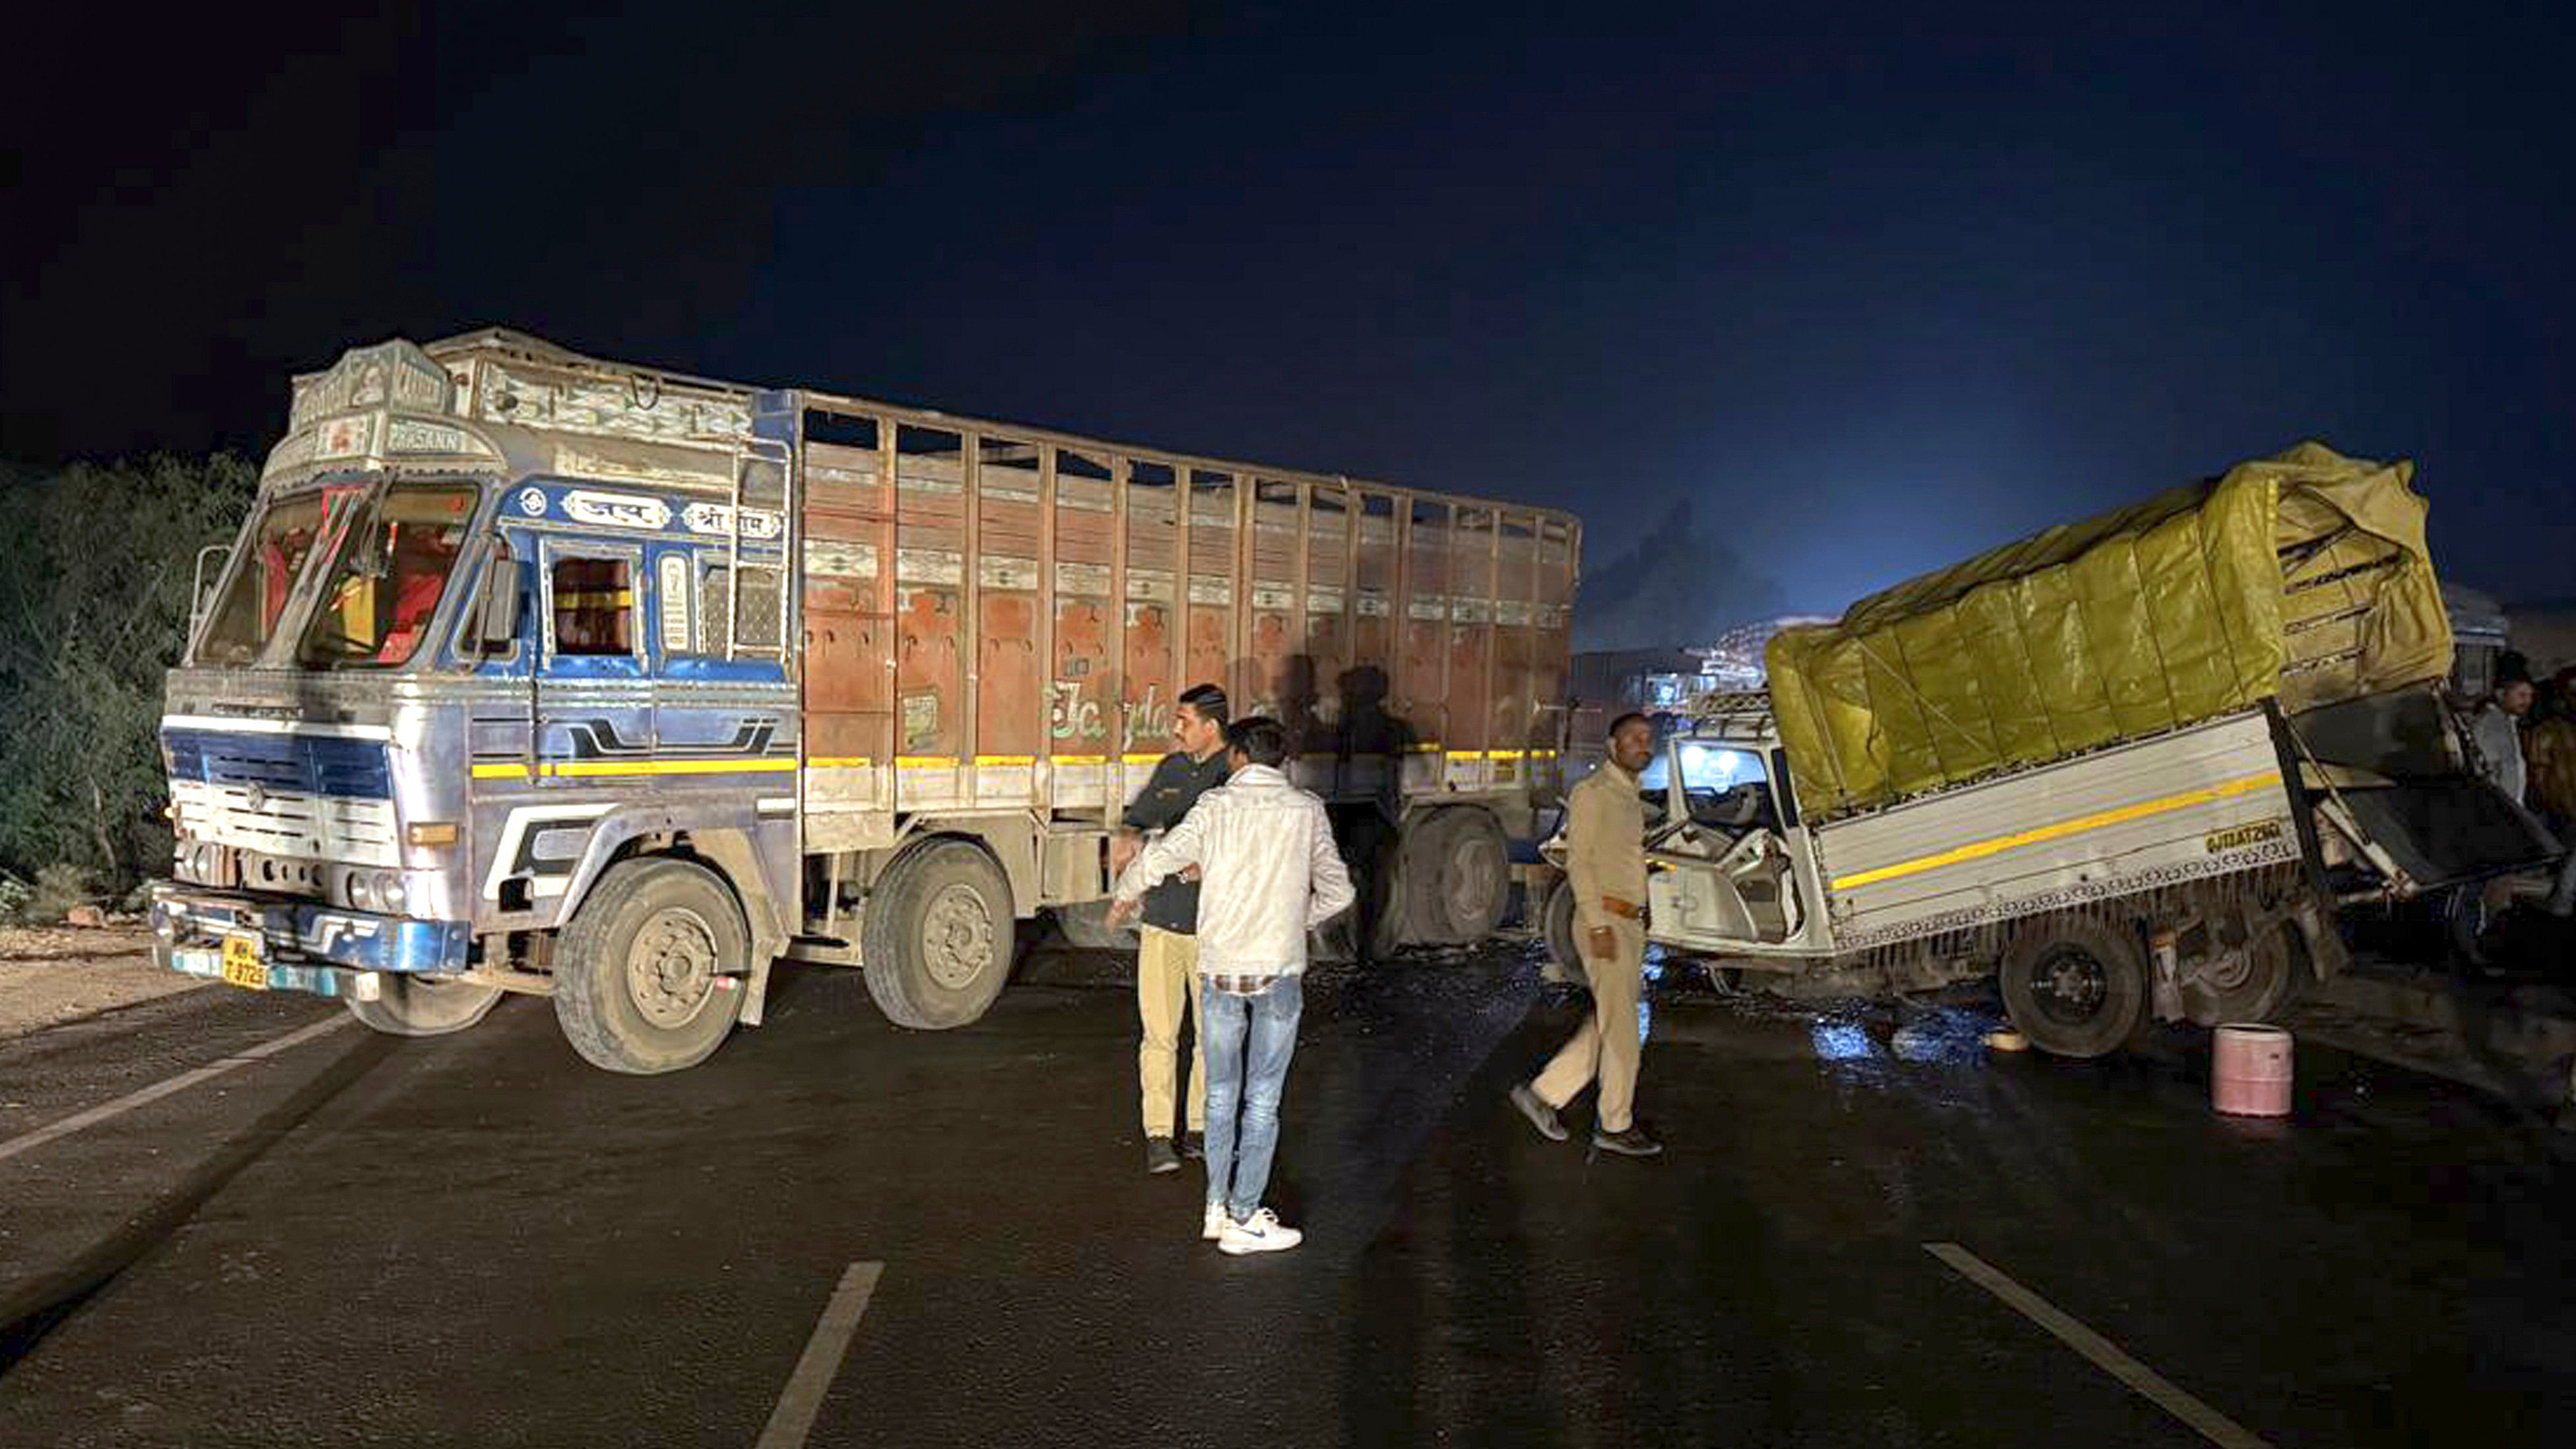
(1087, 927)
(423, 1006)
(1457, 877)
(2074, 986)
(937, 941)
(643, 975)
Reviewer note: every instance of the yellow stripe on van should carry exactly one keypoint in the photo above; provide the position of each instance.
(839, 762)
(2062, 829)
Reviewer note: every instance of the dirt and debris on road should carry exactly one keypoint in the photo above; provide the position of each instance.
(53, 974)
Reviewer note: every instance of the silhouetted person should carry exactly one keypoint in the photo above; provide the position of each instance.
(1369, 743)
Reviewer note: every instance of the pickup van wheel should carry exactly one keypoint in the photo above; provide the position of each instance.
(2254, 987)
(424, 1006)
(2074, 987)
(1457, 877)
(644, 975)
(938, 934)
(1556, 927)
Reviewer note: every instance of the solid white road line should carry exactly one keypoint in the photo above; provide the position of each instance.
(180, 1083)
(793, 1419)
(2214, 1426)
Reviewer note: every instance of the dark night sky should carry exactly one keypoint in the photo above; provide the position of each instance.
(1871, 288)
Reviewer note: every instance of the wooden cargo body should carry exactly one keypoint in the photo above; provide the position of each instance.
(1001, 618)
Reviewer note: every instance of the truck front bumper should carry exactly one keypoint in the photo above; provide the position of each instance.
(301, 945)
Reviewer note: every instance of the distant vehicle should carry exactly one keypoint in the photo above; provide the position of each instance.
(538, 673)
(2131, 766)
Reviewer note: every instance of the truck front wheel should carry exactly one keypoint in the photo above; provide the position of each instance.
(2075, 987)
(938, 935)
(644, 976)
(423, 1006)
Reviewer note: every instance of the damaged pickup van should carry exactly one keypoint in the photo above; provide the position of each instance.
(2131, 766)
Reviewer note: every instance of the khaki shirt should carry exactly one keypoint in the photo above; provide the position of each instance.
(1605, 845)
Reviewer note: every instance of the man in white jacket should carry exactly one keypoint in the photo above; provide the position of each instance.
(1268, 874)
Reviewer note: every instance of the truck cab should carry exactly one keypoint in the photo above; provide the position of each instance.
(445, 651)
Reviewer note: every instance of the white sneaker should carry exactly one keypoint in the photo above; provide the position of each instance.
(1260, 1233)
(1214, 1228)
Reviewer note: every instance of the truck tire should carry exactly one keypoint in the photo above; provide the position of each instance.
(2256, 987)
(1457, 877)
(1556, 928)
(424, 1006)
(1087, 927)
(938, 935)
(643, 974)
(2074, 986)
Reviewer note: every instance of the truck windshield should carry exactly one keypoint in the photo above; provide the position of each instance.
(391, 570)
(279, 543)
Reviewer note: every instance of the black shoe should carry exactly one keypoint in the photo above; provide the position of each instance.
(1540, 1114)
(1631, 1143)
(1193, 1145)
(1159, 1156)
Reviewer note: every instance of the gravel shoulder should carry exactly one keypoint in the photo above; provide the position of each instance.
(53, 974)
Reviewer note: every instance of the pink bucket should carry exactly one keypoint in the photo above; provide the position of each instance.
(2249, 1072)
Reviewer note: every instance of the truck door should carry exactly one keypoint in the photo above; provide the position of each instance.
(1726, 877)
(593, 691)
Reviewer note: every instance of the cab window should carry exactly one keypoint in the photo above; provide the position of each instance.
(593, 603)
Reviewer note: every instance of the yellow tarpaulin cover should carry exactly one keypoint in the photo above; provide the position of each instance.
(2302, 577)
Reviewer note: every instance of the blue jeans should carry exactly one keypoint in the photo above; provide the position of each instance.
(1249, 1041)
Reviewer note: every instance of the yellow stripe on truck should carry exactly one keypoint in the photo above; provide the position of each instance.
(561, 768)
(2001, 843)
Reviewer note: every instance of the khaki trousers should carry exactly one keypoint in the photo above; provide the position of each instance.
(1606, 1045)
(1166, 970)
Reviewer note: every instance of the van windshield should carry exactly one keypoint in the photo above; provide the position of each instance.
(277, 546)
(392, 569)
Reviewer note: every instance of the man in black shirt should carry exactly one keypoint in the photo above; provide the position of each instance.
(1167, 960)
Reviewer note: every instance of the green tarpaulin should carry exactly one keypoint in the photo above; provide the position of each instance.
(2302, 577)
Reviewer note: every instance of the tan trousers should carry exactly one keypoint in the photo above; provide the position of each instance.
(1166, 972)
(1606, 1045)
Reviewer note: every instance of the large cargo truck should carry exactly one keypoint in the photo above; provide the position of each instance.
(537, 673)
(2131, 766)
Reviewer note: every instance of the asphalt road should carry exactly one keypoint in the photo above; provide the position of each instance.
(1861, 1235)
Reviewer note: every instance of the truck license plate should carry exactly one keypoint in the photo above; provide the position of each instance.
(242, 963)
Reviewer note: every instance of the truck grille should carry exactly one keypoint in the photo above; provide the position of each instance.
(313, 797)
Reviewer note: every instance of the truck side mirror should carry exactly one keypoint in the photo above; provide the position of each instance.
(201, 588)
(497, 602)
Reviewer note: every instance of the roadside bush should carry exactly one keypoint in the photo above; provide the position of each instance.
(14, 895)
(94, 577)
(58, 889)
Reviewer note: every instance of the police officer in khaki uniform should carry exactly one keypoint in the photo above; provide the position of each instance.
(1605, 867)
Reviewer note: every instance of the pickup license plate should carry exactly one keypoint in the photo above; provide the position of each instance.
(243, 965)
